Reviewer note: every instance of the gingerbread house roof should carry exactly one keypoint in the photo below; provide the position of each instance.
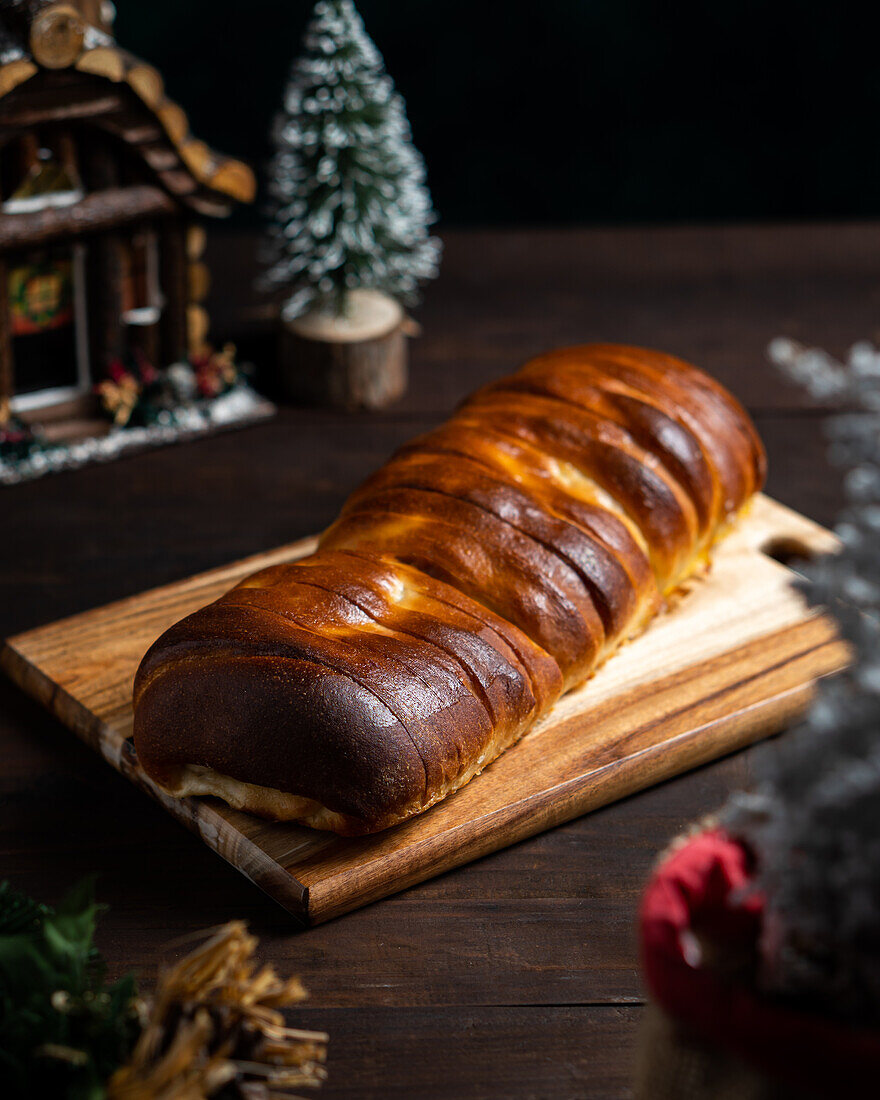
(60, 61)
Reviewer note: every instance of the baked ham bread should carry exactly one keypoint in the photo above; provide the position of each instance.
(491, 565)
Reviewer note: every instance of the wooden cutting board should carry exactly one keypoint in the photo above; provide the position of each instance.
(732, 661)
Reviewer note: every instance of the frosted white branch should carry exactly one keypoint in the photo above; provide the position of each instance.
(349, 203)
(814, 819)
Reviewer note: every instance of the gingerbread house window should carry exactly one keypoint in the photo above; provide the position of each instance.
(49, 337)
(142, 297)
(48, 182)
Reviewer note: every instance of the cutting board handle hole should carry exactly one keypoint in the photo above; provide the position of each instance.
(788, 549)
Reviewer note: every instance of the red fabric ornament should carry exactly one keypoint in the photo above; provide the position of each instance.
(704, 892)
(117, 371)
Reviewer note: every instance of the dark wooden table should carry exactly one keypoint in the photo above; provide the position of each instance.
(516, 976)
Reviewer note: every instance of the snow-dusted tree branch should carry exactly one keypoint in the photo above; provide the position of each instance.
(349, 205)
(814, 818)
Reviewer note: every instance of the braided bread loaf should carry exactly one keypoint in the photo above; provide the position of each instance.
(491, 565)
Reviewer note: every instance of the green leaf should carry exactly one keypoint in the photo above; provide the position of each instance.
(79, 897)
(18, 912)
(69, 932)
(53, 999)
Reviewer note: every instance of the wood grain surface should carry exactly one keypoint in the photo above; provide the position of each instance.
(732, 660)
(524, 963)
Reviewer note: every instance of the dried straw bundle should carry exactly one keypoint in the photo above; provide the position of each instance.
(214, 1029)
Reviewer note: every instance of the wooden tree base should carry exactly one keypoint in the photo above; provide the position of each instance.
(359, 361)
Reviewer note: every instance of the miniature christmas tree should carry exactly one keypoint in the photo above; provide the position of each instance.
(350, 209)
(348, 241)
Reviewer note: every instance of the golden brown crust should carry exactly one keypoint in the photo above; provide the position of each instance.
(489, 566)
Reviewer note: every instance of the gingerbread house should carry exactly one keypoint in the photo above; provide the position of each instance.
(102, 192)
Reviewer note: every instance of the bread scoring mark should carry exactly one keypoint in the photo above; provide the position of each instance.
(634, 477)
(451, 549)
(713, 414)
(527, 656)
(563, 473)
(531, 470)
(638, 413)
(519, 513)
(416, 710)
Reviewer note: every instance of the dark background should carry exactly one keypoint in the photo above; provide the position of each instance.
(602, 111)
